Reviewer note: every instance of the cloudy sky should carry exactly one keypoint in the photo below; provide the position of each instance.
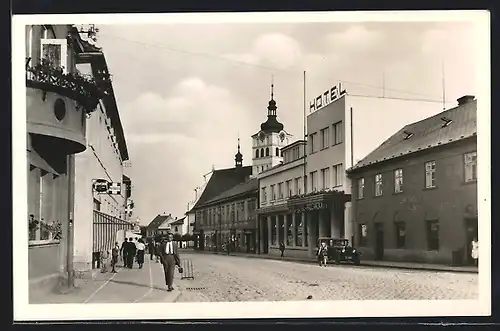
(186, 92)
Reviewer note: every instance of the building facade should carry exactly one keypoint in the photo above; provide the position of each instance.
(58, 99)
(159, 225)
(415, 197)
(99, 215)
(277, 223)
(324, 205)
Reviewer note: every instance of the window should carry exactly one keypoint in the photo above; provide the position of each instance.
(337, 133)
(288, 188)
(363, 235)
(312, 143)
(338, 175)
(256, 153)
(288, 230)
(430, 174)
(361, 188)
(273, 230)
(280, 191)
(398, 180)
(433, 235)
(298, 185)
(263, 195)
(273, 192)
(325, 178)
(267, 151)
(325, 138)
(378, 185)
(262, 152)
(299, 230)
(470, 165)
(278, 151)
(400, 234)
(55, 51)
(314, 179)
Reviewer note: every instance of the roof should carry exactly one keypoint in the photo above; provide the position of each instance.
(157, 221)
(180, 221)
(247, 187)
(425, 134)
(222, 180)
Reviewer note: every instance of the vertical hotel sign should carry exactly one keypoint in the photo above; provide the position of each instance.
(327, 97)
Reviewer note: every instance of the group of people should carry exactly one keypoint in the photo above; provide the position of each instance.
(129, 251)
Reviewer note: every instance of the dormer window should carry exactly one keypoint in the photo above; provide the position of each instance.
(446, 121)
(408, 134)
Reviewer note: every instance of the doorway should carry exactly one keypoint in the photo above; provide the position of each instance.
(471, 234)
(379, 241)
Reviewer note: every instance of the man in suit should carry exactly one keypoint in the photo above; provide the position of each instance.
(169, 257)
(131, 250)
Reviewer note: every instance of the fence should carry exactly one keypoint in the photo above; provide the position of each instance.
(105, 228)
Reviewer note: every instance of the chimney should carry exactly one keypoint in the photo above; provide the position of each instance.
(465, 100)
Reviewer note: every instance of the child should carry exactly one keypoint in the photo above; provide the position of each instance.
(115, 252)
(104, 258)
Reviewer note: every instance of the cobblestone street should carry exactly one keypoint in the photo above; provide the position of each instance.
(229, 278)
(220, 278)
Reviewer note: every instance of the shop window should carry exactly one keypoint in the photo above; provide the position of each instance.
(362, 235)
(281, 224)
(299, 230)
(400, 228)
(273, 230)
(433, 235)
(289, 231)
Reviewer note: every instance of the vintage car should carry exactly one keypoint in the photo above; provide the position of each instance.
(339, 250)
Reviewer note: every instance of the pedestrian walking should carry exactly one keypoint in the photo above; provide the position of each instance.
(282, 248)
(140, 253)
(115, 252)
(475, 250)
(323, 254)
(151, 249)
(169, 259)
(124, 251)
(131, 250)
(157, 251)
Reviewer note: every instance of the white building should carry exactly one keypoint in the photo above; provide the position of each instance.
(99, 216)
(267, 143)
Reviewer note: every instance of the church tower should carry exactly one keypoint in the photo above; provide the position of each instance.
(267, 143)
(238, 157)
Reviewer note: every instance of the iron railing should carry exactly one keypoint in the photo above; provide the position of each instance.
(105, 228)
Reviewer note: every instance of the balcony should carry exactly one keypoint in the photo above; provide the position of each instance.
(84, 90)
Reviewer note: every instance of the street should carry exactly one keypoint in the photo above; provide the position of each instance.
(221, 278)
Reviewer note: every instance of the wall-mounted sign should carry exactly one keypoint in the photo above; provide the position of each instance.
(326, 98)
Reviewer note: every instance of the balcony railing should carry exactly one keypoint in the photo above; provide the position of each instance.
(48, 78)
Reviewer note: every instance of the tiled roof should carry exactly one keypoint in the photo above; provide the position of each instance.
(251, 185)
(428, 133)
(222, 180)
(157, 221)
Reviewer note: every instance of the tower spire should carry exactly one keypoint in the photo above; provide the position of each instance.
(238, 158)
(272, 87)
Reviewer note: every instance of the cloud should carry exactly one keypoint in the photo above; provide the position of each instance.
(356, 38)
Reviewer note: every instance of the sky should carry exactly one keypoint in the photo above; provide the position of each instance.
(186, 92)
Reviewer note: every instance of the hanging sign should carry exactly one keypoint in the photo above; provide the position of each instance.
(327, 97)
(115, 189)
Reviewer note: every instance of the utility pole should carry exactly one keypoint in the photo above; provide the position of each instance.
(70, 232)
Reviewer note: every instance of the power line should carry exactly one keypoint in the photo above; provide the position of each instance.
(224, 59)
(395, 98)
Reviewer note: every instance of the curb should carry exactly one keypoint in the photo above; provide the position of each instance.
(366, 263)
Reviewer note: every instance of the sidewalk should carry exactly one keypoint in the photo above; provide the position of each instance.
(381, 264)
(127, 286)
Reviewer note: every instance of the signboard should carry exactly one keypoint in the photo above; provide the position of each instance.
(326, 98)
(101, 185)
(115, 188)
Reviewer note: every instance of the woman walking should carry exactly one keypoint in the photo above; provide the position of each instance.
(323, 254)
(140, 252)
